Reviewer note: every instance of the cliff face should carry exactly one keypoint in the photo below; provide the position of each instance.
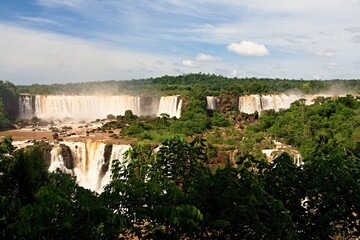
(227, 103)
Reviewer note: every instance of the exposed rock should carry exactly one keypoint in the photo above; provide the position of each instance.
(67, 156)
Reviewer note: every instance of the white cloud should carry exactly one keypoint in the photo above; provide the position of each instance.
(248, 48)
(188, 31)
(205, 58)
(28, 56)
(189, 63)
(325, 54)
(233, 73)
(331, 65)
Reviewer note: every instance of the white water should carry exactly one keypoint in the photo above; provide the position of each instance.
(84, 107)
(170, 105)
(117, 152)
(93, 107)
(211, 102)
(280, 148)
(57, 161)
(251, 103)
(88, 160)
(26, 106)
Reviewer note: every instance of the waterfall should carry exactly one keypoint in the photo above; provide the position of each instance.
(97, 106)
(251, 103)
(57, 160)
(89, 161)
(26, 106)
(211, 102)
(269, 102)
(84, 107)
(287, 99)
(117, 152)
(170, 105)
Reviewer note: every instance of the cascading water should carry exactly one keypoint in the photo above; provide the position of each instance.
(26, 106)
(57, 161)
(89, 161)
(93, 107)
(211, 102)
(252, 103)
(170, 105)
(84, 107)
(117, 152)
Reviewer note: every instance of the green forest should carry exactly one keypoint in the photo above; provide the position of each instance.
(187, 84)
(186, 189)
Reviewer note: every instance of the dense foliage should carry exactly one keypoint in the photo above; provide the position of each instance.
(172, 192)
(8, 104)
(191, 83)
(326, 128)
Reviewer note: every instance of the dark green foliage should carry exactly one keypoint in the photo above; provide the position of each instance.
(174, 195)
(63, 210)
(8, 104)
(135, 128)
(333, 199)
(195, 119)
(37, 205)
(9, 96)
(129, 115)
(4, 120)
(29, 173)
(220, 120)
(187, 84)
(22, 174)
(320, 130)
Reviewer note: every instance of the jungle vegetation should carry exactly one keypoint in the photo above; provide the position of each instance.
(206, 84)
(176, 193)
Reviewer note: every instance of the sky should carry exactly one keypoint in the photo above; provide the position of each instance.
(62, 41)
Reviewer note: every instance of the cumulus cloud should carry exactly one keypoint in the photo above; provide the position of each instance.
(189, 63)
(205, 58)
(248, 48)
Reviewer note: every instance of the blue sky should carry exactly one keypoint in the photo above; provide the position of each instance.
(60, 41)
